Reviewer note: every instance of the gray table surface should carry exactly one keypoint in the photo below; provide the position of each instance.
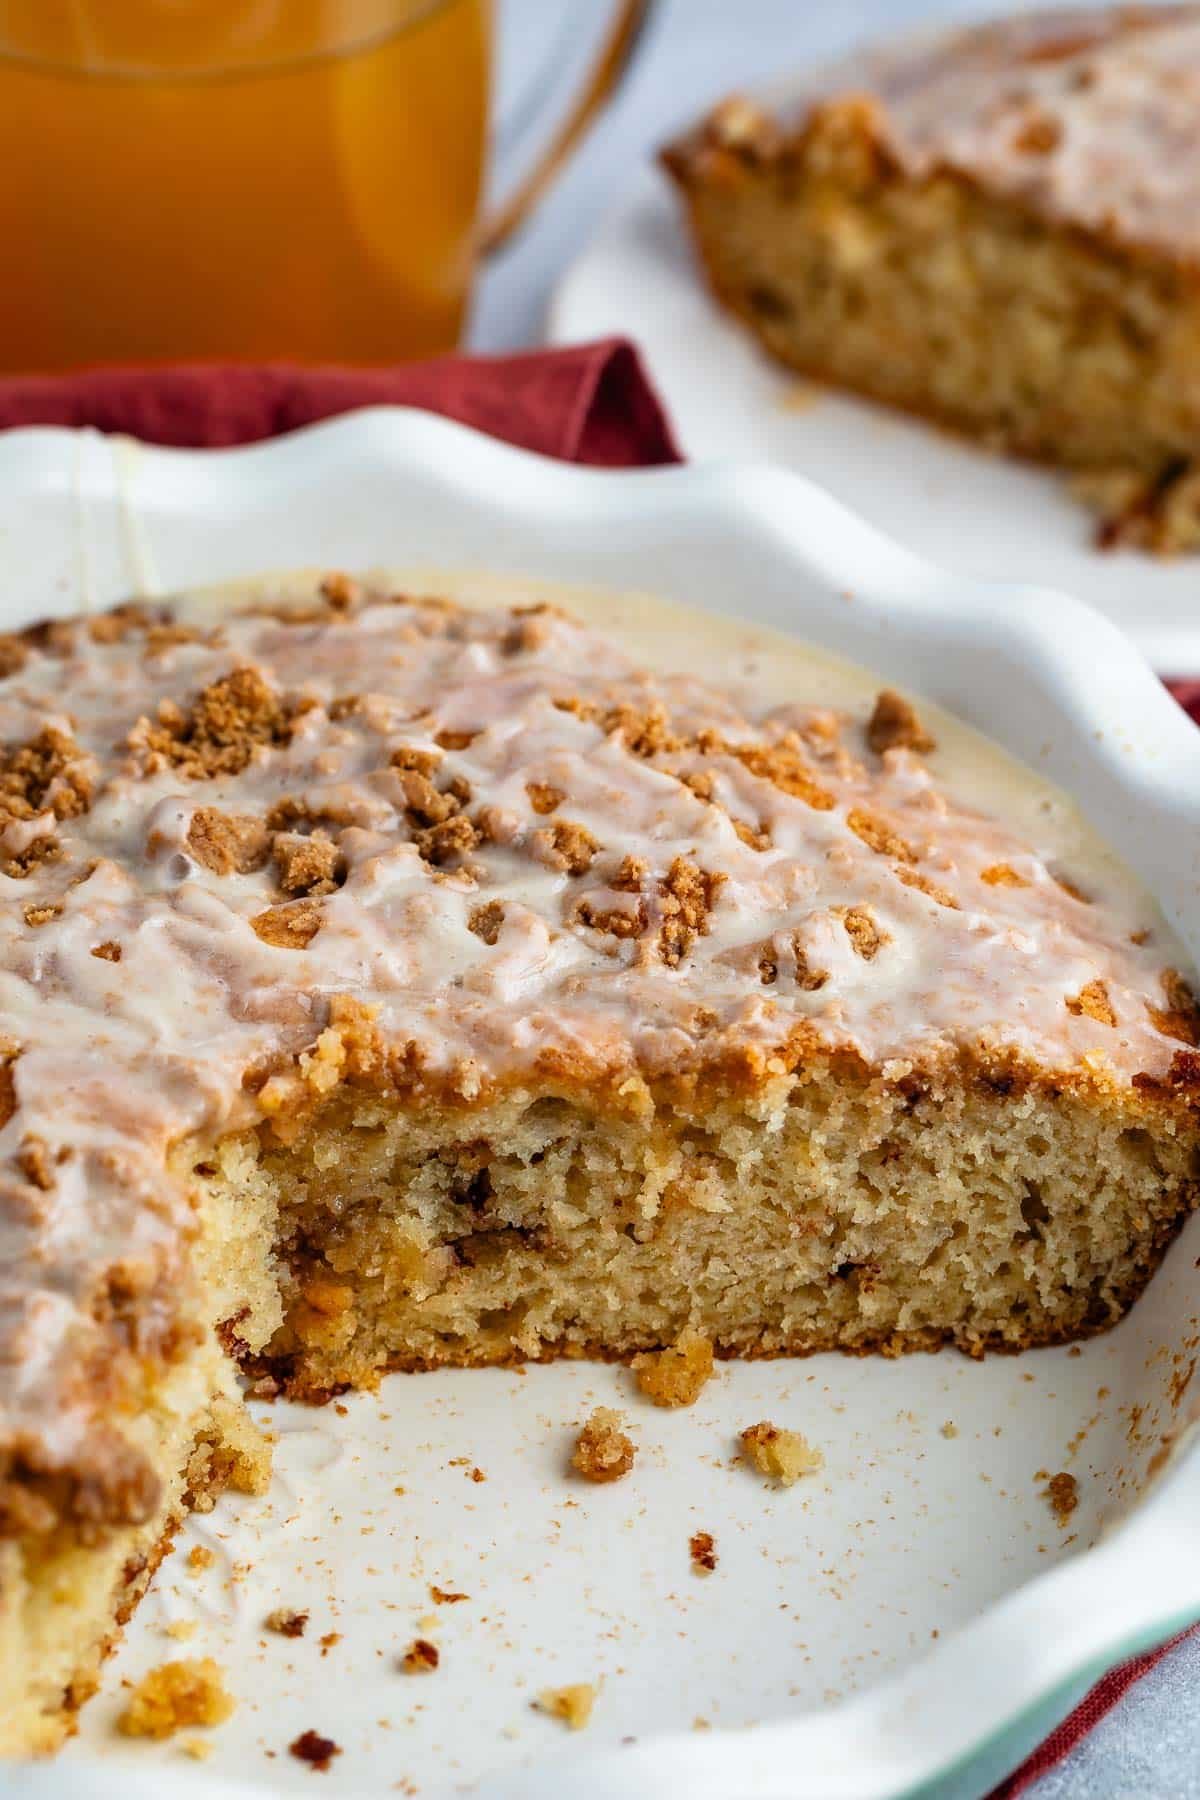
(697, 49)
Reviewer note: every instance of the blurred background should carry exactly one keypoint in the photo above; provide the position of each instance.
(693, 51)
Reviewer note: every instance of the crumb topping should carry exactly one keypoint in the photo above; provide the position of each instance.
(307, 865)
(228, 843)
(289, 927)
(913, 878)
(894, 725)
(219, 733)
(48, 774)
(686, 898)
(565, 845)
(866, 935)
(785, 768)
(879, 836)
(1002, 875)
(544, 797)
(603, 1451)
(485, 921)
(33, 1160)
(408, 846)
(1093, 1002)
(47, 779)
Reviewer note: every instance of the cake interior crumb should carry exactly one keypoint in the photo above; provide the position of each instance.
(572, 1704)
(174, 1696)
(784, 1456)
(677, 1375)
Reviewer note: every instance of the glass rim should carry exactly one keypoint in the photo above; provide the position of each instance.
(130, 74)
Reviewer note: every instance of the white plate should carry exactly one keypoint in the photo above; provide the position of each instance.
(911, 1616)
(973, 512)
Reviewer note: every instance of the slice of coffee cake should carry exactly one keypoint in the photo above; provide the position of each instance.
(386, 984)
(998, 228)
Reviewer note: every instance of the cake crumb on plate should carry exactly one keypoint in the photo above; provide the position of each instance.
(783, 1455)
(703, 1551)
(286, 1621)
(603, 1451)
(421, 1657)
(317, 1751)
(1062, 1493)
(175, 1695)
(572, 1704)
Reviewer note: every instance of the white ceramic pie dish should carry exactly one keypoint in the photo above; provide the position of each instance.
(910, 1622)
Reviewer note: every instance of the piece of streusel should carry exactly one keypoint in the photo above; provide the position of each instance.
(603, 1452)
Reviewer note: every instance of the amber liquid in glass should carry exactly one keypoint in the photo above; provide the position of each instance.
(238, 178)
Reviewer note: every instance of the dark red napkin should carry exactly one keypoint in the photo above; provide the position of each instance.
(1187, 692)
(593, 403)
(1076, 1725)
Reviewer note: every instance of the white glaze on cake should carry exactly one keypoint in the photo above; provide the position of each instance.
(1090, 117)
(116, 1061)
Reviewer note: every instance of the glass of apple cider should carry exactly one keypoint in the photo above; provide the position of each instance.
(261, 179)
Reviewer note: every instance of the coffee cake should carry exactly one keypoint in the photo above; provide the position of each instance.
(997, 228)
(386, 983)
